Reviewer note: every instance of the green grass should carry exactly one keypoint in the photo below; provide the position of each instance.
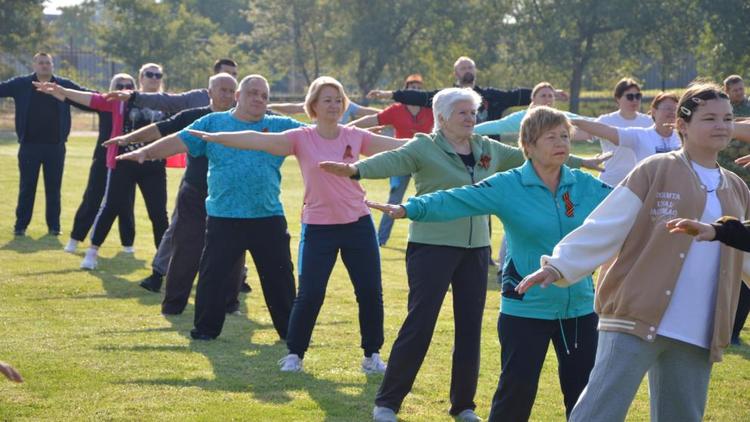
(93, 345)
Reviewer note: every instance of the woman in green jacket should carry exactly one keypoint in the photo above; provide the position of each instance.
(440, 255)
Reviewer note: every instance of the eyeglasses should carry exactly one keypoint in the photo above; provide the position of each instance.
(634, 97)
(152, 75)
(124, 86)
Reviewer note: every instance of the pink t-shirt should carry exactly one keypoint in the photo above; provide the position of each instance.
(329, 199)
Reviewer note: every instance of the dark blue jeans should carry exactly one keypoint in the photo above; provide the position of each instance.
(395, 196)
(319, 247)
(31, 158)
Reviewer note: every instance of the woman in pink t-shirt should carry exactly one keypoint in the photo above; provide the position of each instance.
(334, 217)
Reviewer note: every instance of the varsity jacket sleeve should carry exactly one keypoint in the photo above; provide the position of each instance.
(482, 198)
(599, 238)
(401, 161)
(171, 103)
(413, 97)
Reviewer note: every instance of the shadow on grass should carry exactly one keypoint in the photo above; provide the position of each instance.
(240, 366)
(743, 350)
(25, 244)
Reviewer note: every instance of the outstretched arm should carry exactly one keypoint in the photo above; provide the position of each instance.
(742, 131)
(287, 108)
(272, 143)
(598, 129)
(163, 148)
(51, 88)
(145, 134)
(365, 122)
(380, 143)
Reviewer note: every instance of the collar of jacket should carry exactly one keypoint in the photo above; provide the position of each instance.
(478, 147)
(685, 158)
(530, 178)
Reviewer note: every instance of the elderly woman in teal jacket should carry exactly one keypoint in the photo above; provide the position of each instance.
(442, 255)
(538, 203)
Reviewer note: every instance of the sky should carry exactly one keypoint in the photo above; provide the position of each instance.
(51, 6)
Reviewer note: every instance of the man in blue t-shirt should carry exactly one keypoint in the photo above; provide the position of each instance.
(243, 208)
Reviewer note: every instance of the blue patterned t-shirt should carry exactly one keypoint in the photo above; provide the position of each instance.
(241, 183)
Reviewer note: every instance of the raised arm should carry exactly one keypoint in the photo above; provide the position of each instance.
(287, 108)
(163, 148)
(598, 129)
(272, 143)
(508, 124)
(363, 111)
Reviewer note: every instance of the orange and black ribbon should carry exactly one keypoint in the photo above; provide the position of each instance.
(568, 204)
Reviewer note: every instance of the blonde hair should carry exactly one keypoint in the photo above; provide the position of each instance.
(156, 65)
(537, 121)
(119, 77)
(538, 87)
(314, 92)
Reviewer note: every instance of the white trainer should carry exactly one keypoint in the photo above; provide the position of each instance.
(90, 260)
(290, 363)
(128, 249)
(467, 415)
(383, 414)
(71, 246)
(373, 364)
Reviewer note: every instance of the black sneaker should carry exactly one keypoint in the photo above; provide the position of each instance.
(152, 283)
(245, 288)
(197, 335)
(54, 232)
(19, 232)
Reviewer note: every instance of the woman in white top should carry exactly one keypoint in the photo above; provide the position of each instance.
(628, 98)
(644, 142)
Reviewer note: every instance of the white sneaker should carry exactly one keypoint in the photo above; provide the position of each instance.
(467, 415)
(89, 261)
(71, 246)
(383, 414)
(373, 364)
(128, 249)
(290, 363)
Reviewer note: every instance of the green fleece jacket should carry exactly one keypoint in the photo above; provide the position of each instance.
(434, 165)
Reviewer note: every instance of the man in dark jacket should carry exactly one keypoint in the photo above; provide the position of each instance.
(42, 127)
(494, 101)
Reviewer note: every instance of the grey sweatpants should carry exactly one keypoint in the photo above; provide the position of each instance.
(678, 375)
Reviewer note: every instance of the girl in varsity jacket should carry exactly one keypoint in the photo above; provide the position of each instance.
(666, 306)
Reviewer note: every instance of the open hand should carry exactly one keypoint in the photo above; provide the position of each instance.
(379, 94)
(596, 162)
(744, 161)
(701, 231)
(119, 140)
(393, 211)
(543, 276)
(338, 169)
(138, 156)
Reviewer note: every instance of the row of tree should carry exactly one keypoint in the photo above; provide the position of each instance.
(374, 43)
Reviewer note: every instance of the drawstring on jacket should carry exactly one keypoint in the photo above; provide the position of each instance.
(565, 341)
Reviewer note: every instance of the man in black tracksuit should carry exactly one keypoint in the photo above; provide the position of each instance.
(42, 127)
(494, 101)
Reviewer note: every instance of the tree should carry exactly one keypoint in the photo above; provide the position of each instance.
(21, 32)
(723, 48)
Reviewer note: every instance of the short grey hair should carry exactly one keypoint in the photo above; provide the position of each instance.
(249, 78)
(444, 101)
(221, 76)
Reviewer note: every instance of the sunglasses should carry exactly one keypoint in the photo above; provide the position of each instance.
(634, 97)
(124, 86)
(152, 75)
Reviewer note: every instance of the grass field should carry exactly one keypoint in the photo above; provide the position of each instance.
(93, 345)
